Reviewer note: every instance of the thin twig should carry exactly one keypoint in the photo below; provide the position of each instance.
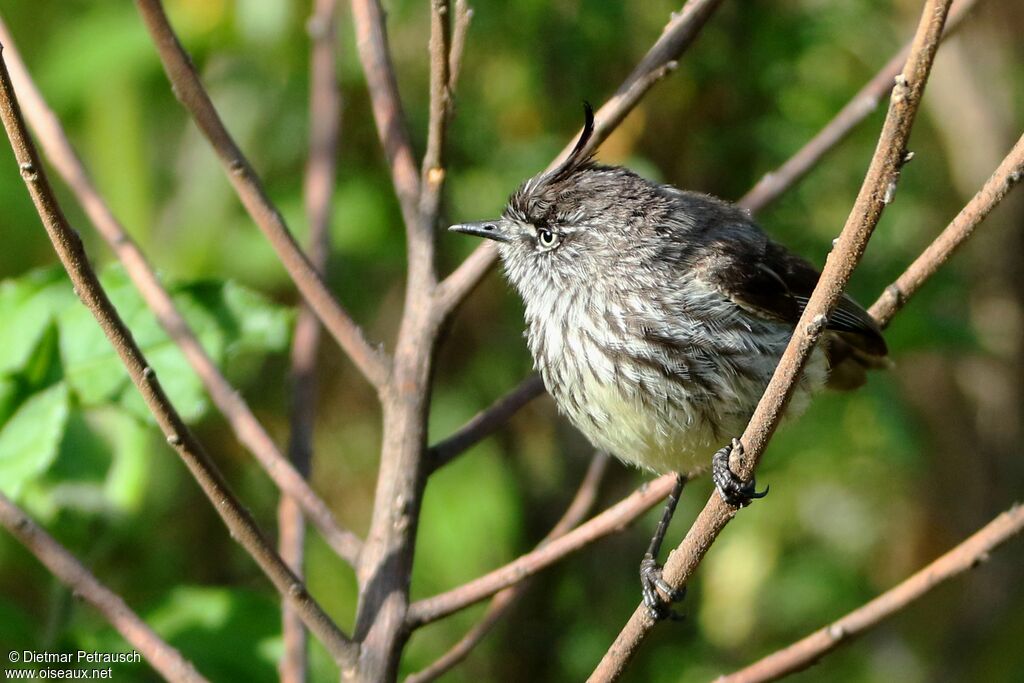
(167, 661)
(463, 15)
(616, 518)
(392, 127)
(1008, 174)
(876, 192)
(661, 59)
(229, 401)
(69, 248)
(774, 183)
(371, 361)
(318, 190)
(805, 652)
(432, 172)
(485, 423)
(503, 601)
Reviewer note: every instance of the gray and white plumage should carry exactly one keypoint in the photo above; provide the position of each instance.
(657, 316)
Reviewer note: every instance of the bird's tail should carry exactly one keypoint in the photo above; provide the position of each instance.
(849, 360)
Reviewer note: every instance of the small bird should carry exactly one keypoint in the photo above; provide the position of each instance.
(656, 318)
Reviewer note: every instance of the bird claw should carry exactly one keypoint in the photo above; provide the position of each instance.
(733, 490)
(658, 595)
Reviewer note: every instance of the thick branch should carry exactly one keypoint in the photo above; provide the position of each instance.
(62, 564)
(371, 360)
(774, 183)
(676, 37)
(486, 422)
(803, 653)
(386, 561)
(615, 518)
(318, 190)
(226, 397)
(72, 255)
(1008, 174)
(876, 192)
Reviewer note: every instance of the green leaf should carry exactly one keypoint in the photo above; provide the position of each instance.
(27, 306)
(229, 320)
(230, 635)
(29, 440)
(99, 466)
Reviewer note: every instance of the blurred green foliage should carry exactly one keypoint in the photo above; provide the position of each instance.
(866, 487)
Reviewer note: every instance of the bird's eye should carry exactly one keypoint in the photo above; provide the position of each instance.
(547, 239)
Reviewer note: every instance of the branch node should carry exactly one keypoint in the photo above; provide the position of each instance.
(890, 193)
(894, 292)
(148, 373)
(28, 172)
(836, 632)
(817, 324)
(901, 89)
(980, 559)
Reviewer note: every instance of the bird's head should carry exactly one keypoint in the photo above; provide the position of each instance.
(579, 223)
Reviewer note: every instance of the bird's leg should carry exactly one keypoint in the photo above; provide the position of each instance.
(731, 488)
(651, 580)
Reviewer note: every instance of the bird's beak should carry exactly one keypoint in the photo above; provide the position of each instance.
(493, 230)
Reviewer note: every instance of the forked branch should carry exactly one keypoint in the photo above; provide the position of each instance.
(1009, 173)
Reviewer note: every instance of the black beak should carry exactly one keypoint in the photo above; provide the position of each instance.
(492, 230)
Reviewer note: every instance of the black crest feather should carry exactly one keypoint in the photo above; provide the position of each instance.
(577, 157)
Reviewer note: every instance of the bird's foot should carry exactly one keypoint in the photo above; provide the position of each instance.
(658, 595)
(733, 490)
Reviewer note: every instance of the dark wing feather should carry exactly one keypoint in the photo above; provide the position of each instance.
(771, 280)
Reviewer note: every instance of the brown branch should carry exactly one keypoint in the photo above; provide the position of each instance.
(616, 518)
(675, 38)
(1008, 174)
(167, 661)
(774, 183)
(876, 192)
(432, 173)
(804, 653)
(375, 56)
(318, 190)
(485, 423)
(72, 254)
(503, 601)
(229, 401)
(370, 360)
(463, 15)
(386, 560)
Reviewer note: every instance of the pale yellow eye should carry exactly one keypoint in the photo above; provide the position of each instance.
(547, 239)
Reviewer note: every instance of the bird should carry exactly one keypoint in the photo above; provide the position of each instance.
(656, 317)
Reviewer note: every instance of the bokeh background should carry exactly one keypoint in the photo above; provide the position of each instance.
(866, 487)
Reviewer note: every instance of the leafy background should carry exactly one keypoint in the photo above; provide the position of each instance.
(866, 487)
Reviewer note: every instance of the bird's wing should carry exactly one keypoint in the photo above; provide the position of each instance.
(770, 280)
